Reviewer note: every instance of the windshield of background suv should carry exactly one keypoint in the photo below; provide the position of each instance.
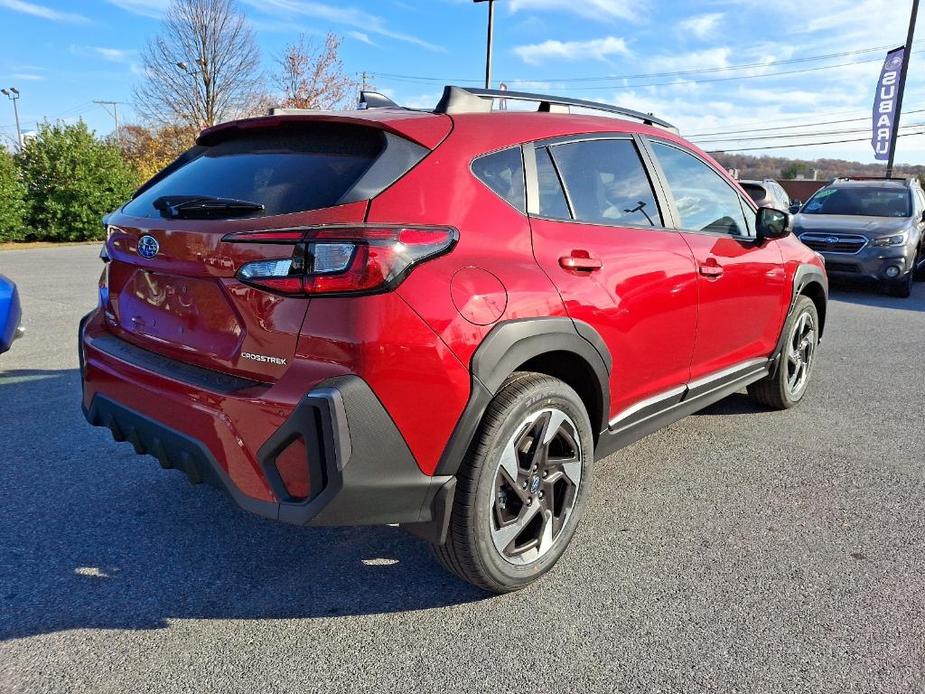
(860, 202)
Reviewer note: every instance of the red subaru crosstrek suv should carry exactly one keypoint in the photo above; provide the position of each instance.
(439, 318)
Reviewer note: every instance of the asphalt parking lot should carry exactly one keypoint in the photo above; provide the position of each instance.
(738, 550)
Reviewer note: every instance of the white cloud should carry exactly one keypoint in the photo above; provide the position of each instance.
(595, 49)
(146, 8)
(701, 26)
(43, 12)
(593, 9)
(115, 55)
(361, 37)
(695, 60)
(338, 14)
(27, 77)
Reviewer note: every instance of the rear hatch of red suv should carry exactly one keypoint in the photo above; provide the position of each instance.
(237, 206)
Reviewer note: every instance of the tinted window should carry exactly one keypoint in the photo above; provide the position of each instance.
(503, 172)
(860, 201)
(606, 182)
(755, 192)
(706, 202)
(552, 199)
(285, 169)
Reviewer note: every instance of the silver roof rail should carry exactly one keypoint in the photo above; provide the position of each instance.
(473, 100)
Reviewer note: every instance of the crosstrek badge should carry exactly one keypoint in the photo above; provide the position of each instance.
(263, 358)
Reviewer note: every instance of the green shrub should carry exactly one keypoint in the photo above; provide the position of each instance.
(12, 200)
(72, 179)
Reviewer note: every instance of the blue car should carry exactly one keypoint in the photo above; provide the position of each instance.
(10, 314)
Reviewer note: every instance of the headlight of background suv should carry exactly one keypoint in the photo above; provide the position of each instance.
(893, 240)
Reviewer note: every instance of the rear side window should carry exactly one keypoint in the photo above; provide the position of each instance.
(289, 168)
(606, 183)
(706, 202)
(553, 204)
(503, 172)
(755, 192)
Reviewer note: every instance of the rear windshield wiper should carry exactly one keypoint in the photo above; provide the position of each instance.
(203, 206)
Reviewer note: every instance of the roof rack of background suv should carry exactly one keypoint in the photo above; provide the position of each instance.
(472, 100)
(900, 178)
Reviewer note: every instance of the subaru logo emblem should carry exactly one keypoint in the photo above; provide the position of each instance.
(148, 246)
(828, 239)
(535, 484)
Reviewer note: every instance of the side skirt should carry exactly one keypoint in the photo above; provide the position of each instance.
(638, 422)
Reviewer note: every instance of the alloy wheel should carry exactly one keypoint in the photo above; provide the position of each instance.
(801, 348)
(535, 486)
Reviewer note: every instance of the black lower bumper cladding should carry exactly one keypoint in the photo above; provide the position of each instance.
(367, 473)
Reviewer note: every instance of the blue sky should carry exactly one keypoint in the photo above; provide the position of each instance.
(62, 55)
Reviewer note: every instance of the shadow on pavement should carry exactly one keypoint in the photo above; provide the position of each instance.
(868, 294)
(737, 403)
(93, 536)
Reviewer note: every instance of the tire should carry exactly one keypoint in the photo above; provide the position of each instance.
(781, 391)
(918, 267)
(490, 541)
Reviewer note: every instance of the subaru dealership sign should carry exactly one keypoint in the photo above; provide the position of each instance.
(886, 102)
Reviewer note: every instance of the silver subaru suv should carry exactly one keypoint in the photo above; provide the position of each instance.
(871, 228)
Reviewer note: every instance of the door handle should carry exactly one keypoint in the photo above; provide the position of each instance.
(580, 261)
(711, 269)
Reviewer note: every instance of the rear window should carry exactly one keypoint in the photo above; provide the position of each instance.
(286, 169)
(755, 192)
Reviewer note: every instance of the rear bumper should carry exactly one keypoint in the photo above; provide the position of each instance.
(360, 470)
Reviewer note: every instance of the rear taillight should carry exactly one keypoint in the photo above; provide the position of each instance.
(336, 260)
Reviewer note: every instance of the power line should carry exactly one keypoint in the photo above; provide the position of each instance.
(791, 127)
(784, 136)
(647, 75)
(806, 144)
(766, 75)
(708, 80)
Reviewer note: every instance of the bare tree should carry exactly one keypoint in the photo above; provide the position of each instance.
(203, 68)
(311, 75)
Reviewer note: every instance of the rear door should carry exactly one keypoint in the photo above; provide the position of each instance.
(598, 232)
(171, 282)
(742, 282)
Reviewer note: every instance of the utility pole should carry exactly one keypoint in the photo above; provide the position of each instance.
(491, 33)
(907, 54)
(114, 113)
(12, 93)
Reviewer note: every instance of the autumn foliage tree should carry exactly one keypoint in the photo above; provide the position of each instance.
(311, 75)
(148, 150)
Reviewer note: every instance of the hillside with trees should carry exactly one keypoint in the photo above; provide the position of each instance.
(751, 167)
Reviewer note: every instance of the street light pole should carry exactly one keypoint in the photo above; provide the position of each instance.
(902, 88)
(491, 33)
(12, 94)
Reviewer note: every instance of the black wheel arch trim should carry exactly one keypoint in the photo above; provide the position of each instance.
(511, 344)
(805, 275)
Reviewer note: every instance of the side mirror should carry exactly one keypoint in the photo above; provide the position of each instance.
(773, 224)
(795, 206)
